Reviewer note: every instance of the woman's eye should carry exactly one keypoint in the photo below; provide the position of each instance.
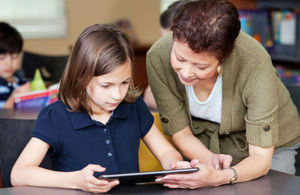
(201, 68)
(125, 83)
(104, 86)
(180, 59)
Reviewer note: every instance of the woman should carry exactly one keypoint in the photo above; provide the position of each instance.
(218, 92)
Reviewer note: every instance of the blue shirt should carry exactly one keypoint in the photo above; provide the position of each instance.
(76, 140)
(6, 88)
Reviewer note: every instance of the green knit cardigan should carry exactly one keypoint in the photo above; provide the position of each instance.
(256, 106)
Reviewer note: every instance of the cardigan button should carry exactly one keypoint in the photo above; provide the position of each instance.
(164, 119)
(267, 128)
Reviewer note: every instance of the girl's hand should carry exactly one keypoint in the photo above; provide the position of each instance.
(177, 165)
(88, 182)
(206, 176)
(221, 161)
(182, 165)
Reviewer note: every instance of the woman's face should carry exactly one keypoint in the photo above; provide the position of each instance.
(106, 92)
(192, 67)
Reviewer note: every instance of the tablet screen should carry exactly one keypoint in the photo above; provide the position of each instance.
(148, 176)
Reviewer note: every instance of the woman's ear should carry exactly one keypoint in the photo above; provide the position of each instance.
(221, 61)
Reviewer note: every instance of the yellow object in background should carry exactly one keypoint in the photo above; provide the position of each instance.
(147, 162)
(37, 83)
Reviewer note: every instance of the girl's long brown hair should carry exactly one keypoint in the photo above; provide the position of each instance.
(98, 50)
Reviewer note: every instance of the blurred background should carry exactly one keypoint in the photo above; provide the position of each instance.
(143, 16)
(50, 29)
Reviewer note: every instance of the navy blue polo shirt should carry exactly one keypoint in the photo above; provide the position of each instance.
(76, 140)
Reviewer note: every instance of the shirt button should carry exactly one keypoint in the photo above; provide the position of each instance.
(164, 119)
(109, 154)
(105, 130)
(267, 127)
(107, 141)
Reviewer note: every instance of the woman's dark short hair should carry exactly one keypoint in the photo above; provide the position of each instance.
(208, 26)
(11, 40)
(98, 50)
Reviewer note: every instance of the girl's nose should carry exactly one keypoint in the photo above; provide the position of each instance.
(116, 93)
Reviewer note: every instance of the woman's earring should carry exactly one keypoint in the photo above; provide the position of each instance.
(220, 70)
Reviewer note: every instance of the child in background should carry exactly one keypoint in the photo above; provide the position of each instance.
(11, 83)
(96, 124)
(165, 20)
(169, 14)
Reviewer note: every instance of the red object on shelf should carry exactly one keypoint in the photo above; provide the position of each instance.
(36, 99)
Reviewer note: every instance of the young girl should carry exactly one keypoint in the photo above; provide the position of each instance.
(96, 126)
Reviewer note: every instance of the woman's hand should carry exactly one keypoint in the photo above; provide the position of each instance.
(206, 176)
(88, 182)
(221, 161)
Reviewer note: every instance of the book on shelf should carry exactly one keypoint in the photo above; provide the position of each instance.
(270, 27)
(35, 99)
(257, 24)
(288, 76)
(284, 27)
(39, 97)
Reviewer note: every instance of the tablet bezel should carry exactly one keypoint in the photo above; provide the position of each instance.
(147, 176)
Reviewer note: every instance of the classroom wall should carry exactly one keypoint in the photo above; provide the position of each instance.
(143, 15)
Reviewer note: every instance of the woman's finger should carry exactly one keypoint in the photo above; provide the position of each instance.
(215, 161)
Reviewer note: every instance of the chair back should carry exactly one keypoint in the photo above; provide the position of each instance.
(51, 67)
(15, 134)
(295, 95)
(147, 162)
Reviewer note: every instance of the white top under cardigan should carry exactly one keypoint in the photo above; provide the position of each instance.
(211, 108)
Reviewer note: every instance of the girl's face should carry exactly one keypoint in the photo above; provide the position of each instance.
(192, 67)
(8, 65)
(106, 92)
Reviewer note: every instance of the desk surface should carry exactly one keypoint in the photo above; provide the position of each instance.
(274, 183)
(19, 114)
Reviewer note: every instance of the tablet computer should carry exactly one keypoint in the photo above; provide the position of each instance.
(148, 176)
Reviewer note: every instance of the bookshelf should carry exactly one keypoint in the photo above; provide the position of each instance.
(278, 4)
(288, 53)
(284, 54)
(140, 77)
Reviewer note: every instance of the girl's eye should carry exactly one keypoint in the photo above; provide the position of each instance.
(125, 83)
(104, 86)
